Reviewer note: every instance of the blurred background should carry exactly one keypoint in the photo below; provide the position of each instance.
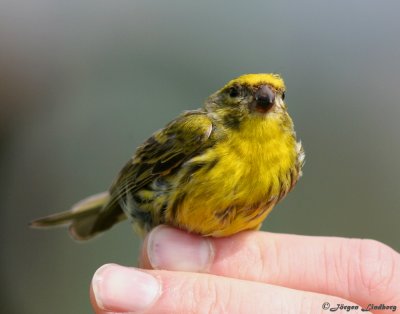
(84, 83)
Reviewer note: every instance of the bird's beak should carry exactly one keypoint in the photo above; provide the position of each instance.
(264, 99)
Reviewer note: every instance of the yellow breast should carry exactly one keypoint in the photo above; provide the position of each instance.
(240, 178)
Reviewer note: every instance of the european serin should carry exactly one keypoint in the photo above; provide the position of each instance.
(214, 171)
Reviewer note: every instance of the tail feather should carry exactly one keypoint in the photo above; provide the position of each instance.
(84, 218)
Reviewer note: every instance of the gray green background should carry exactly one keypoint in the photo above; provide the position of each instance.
(83, 83)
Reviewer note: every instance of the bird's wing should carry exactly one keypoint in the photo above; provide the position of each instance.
(164, 152)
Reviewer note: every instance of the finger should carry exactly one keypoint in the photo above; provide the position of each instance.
(364, 271)
(174, 249)
(122, 289)
(96, 308)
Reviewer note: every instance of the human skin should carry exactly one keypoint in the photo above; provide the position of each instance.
(250, 272)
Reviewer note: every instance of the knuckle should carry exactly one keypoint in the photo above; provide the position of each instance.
(377, 263)
(263, 258)
(251, 257)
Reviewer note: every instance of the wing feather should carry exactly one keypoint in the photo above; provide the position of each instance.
(164, 152)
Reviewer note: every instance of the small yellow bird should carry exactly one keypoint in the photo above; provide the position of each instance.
(214, 171)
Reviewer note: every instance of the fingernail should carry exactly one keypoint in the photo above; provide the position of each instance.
(172, 249)
(122, 289)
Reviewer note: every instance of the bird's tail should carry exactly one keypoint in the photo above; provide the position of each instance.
(85, 219)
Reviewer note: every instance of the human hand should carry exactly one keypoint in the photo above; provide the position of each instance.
(250, 272)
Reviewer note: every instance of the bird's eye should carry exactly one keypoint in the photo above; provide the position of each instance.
(283, 95)
(234, 91)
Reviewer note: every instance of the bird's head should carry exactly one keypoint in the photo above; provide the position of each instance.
(250, 95)
(253, 93)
